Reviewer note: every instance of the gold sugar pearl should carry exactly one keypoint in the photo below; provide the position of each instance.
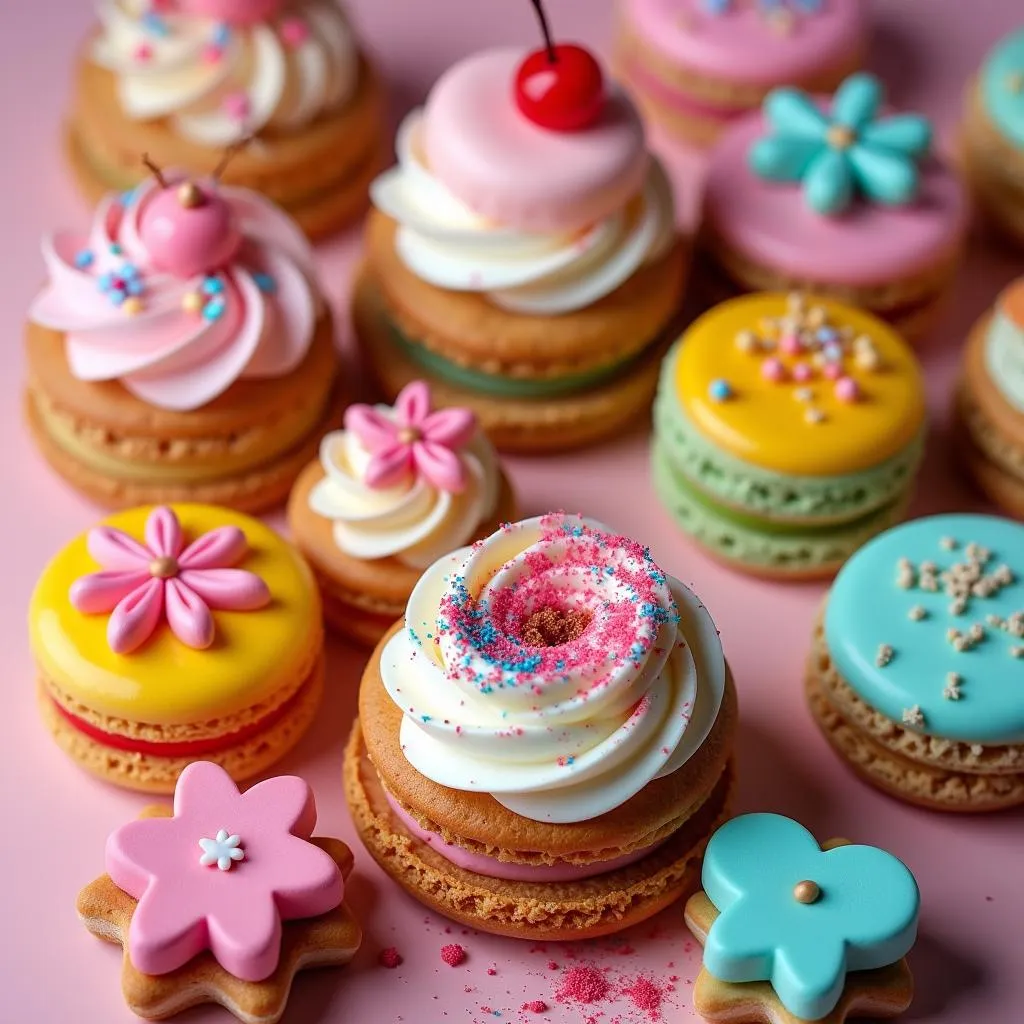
(192, 302)
(163, 568)
(189, 195)
(807, 891)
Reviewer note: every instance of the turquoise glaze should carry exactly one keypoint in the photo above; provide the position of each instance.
(1003, 103)
(866, 609)
(848, 153)
(865, 916)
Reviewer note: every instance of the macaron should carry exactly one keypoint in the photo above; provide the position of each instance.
(187, 82)
(989, 412)
(181, 349)
(391, 493)
(528, 272)
(545, 744)
(837, 196)
(696, 65)
(788, 431)
(993, 136)
(915, 667)
(168, 634)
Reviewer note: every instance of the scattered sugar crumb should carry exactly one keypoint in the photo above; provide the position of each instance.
(583, 984)
(535, 1006)
(646, 996)
(453, 954)
(389, 957)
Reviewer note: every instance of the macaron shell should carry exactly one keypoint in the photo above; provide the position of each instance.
(518, 174)
(772, 224)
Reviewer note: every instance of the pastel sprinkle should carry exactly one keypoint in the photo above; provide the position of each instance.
(265, 283)
(212, 53)
(773, 370)
(192, 302)
(154, 24)
(84, 258)
(802, 372)
(884, 655)
(720, 390)
(236, 106)
(913, 716)
(221, 35)
(214, 309)
(294, 32)
(814, 416)
(143, 53)
(832, 370)
(917, 613)
(847, 389)
(213, 286)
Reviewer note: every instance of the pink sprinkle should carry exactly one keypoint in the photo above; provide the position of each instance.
(552, 966)
(847, 389)
(646, 996)
(802, 372)
(212, 54)
(833, 371)
(294, 32)
(389, 958)
(491, 971)
(772, 369)
(583, 985)
(790, 344)
(236, 106)
(143, 52)
(536, 1006)
(453, 954)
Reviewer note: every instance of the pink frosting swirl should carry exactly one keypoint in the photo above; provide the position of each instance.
(179, 333)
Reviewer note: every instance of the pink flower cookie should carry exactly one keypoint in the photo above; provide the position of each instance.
(224, 899)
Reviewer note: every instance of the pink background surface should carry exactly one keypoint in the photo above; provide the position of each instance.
(968, 960)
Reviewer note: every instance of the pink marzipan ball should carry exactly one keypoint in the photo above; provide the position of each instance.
(234, 12)
(772, 369)
(185, 237)
(847, 389)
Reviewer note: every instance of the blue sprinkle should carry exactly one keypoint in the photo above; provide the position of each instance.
(155, 25)
(127, 199)
(135, 287)
(129, 271)
(115, 249)
(117, 297)
(106, 281)
(84, 259)
(221, 35)
(214, 309)
(716, 6)
(720, 390)
(265, 283)
(213, 286)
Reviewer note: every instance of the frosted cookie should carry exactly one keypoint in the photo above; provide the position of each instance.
(993, 136)
(181, 350)
(390, 494)
(793, 932)
(522, 257)
(183, 79)
(169, 634)
(837, 196)
(990, 402)
(915, 672)
(224, 899)
(697, 65)
(544, 745)
(788, 431)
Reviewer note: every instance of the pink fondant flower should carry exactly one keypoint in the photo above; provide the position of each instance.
(141, 583)
(414, 440)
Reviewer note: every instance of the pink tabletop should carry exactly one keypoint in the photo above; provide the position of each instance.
(969, 956)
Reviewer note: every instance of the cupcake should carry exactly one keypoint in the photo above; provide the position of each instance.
(993, 136)
(544, 745)
(205, 915)
(990, 402)
(183, 79)
(788, 431)
(917, 665)
(837, 197)
(796, 932)
(522, 256)
(390, 494)
(696, 65)
(168, 634)
(181, 350)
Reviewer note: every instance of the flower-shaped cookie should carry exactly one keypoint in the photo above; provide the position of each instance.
(801, 917)
(851, 151)
(140, 583)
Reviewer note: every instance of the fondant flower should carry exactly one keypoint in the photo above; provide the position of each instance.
(141, 583)
(801, 917)
(414, 441)
(850, 152)
(184, 908)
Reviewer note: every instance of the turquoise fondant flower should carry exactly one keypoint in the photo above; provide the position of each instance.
(848, 152)
(800, 917)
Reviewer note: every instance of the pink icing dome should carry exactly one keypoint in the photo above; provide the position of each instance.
(175, 326)
(234, 12)
(517, 173)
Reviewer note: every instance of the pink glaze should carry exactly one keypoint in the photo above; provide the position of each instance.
(234, 12)
(518, 174)
(186, 906)
(770, 223)
(481, 864)
(741, 45)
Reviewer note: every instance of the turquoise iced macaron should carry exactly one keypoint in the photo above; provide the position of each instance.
(916, 676)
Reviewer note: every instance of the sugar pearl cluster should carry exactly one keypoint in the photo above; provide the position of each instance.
(805, 348)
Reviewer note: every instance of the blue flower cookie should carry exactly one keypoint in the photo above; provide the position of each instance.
(917, 672)
(793, 931)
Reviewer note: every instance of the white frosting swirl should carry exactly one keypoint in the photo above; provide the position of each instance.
(413, 521)
(562, 733)
(218, 84)
(1004, 358)
(442, 241)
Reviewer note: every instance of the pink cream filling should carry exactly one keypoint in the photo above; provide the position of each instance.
(481, 864)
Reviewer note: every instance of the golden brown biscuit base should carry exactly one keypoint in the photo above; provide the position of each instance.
(320, 175)
(243, 449)
(469, 330)
(479, 818)
(149, 773)
(532, 426)
(331, 939)
(374, 590)
(880, 993)
(542, 912)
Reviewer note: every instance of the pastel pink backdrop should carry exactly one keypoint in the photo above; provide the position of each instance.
(969, 958)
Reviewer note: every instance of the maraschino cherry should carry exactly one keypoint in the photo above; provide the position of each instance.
(559, 87)
(232, 12)
(187, 228)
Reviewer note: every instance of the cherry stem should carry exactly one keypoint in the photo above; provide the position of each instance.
(154, 170)
(229, 154)
(538, 6)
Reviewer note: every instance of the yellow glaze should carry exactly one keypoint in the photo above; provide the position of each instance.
(765, 423)
(164, 682)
